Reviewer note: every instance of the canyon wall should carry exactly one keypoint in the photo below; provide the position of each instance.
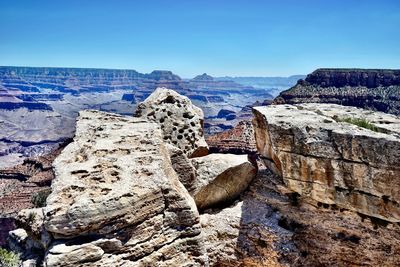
(375, 89)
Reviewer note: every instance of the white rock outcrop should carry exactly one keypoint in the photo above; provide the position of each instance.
(181, 121)
(321, 153)
(116, 200)
(221, 178)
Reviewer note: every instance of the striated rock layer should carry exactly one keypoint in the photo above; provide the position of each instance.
(116, 199)
(375, 89)
(19, 183)
(332, 161)
(239, 140)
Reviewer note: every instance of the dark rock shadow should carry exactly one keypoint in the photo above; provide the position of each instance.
(263, 238)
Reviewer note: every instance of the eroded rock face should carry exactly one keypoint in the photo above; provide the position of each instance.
(239, 140)
(180, 120)
(183, 167)
(334, 162)
(375, 89)
(116, 199)
(221, 178)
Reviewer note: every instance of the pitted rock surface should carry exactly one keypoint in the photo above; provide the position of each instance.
(180, 120)
(116, 199)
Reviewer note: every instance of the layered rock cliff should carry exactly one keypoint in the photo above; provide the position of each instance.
(239, 140)
(335, 155)
(375, 89)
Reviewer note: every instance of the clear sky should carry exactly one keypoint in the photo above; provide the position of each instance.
(189, 37)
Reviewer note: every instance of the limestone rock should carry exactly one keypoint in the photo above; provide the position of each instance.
(28, 248)
(331, 161)
(61, 254)
(248, 232)
(180, 120)
(183, 167)
(32, 220)
(221, 178)
(116, 199)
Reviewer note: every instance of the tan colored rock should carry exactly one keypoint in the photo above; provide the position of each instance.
(332, 161)
(181, 121)
(183, 167)
(248, 232)
(221, 178)
(32, 220)
(74, 255)
(116, 199)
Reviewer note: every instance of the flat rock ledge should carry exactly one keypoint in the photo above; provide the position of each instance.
(116, 200)
(321, 156)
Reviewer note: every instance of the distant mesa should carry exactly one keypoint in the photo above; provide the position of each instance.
(203, 77)
(163, 75)
(374, 89)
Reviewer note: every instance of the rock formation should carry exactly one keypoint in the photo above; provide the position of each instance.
(332, 161)
(181, 121)
(124, 195)
(239, 140)
(20, 183)
(183, 167)
(365, 88)
(51, 98)
(221, 178)
(116, 199)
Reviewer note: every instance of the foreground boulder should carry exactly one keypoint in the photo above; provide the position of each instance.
(321, 156)
(116, 199)
(181, 121)
(221, 178)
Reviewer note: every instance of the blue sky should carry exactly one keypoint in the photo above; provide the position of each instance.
(236, 37)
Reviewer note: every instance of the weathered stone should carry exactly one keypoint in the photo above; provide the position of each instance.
(180, 120)
(32, 220)
(116, 199)
(332, 161)
(248, 232)
(73, 255)
(183, 167)
(28, 248)
(239, 140)
(375, 89)
(221, 178)
(19, 235)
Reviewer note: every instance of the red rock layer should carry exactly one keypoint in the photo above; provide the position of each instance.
(239, 140)
(19, 183)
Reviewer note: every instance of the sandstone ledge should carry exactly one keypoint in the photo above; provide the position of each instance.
(330, 161)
